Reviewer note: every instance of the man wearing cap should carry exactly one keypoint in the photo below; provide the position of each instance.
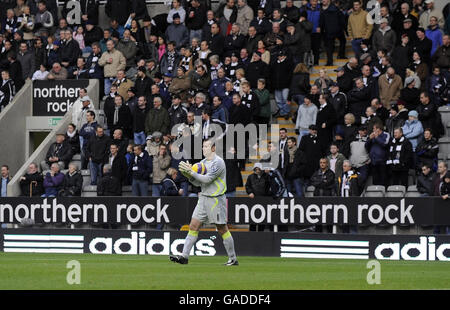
(390, 85)
(80, 107)
(412, 129)
(397, 117)
(281, 73)
(402, 15)
(384, 37)
(143, 83)
(410, 94)
(58, 152)
(430, 11)
(257, 184)
(177, 113)
(407, 29)
(423, 46)
(338, 100)
(177, 32)
(132, 99)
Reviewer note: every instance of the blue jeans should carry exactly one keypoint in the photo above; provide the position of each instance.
(95, 169)
(108, 83)
(139, 187)
(298, 99)
(185, 187)
(281, 99)
(156, 190)
(296, 184)
(231, 194)
(356, 46)
(139, 138)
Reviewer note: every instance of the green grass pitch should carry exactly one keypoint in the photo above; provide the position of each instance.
(49, 271)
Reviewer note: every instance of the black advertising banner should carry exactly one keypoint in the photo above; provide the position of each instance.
(55, 97)
(286, 245)
(288, 211)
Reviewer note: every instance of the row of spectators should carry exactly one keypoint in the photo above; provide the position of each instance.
(223, 66)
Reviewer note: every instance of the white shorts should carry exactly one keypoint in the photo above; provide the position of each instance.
(211, 210)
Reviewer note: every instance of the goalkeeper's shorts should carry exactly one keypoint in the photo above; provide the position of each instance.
(211, 210)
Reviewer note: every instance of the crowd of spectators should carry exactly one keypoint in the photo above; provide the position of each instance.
(379, 118)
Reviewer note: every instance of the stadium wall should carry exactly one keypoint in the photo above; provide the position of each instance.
(285, 245)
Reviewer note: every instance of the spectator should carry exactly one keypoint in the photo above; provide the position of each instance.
(349, 184)
(360, 26)
(359, 156)
(358, 100)
(177, 32)
(425, 181)
(263, 94)
(141, 167)
(390, 85)
(59, 152)
(420, 69)
(7, 90)
(428, 13)
(40, 74)
(97, 153)
(128, 48)
(123, 84)
(53, 181)
(31, 183)
(234, 177)
(436, 85)
(372, 119)
(26, 59)
(5, 178)
(244, 16)
(434, 33)
(350, 130)
(261, 23)
(117, 161)
(335, 159)
(72, 182)
(401, 55)
(86, 132)
(412, 129)
(118, 10)
(43, 19)
(300, 85)
(176, 9)
(440, 57)
(168, 185)
(309, 144)
(377, 147)
(181, 84)
(161, 162)
(332, 24)
(276, 183)
(121, 141)
(295, 165)
(423, 46)
(80, 107)
(325, 121)
(69, 50)
(384, 38)
(427, 150)
(257, 184)
(57, 72)
(169, 60)
(313, 14)
(410, 94)
(200, 80)
(429, 116)
(139, 116)
(323, 82)
(73, 139)
(218, 111)
(400, 158)
(323, 180)
(120, 117)
(108, 185)
(281, 73)
(93, 34)
(157, 118)
(112, 61)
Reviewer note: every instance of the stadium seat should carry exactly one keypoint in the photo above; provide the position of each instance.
(396, 188)
(448, 129)
(378, 194)
(126, 190)
(76, 157)
(412, 188)
(309, 191)
(89, 191)
(444, 146)
(376, 188)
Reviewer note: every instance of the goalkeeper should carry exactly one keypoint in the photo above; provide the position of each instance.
(211, 205)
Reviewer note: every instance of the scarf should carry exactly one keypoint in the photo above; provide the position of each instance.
(292, 151)
(116, 114)
(395, 151)
(71, 135)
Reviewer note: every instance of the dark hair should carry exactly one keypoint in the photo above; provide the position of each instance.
(293, 139)
(73, 125)
(5, 166)
(283, 129)
(92, 113)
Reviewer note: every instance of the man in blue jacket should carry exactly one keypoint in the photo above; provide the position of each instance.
(141, 167)
(377, 146)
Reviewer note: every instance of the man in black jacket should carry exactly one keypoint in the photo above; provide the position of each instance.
(69, 50)
(358, 100)
(309, 144)
(59, 152)
(257, 184)
(281, 73)
(118, 10)
(332, 25)
(121, 141)
(425, 181)
(195, 19)
(338, 100)
(109, 185)
(177, 113)
(73, 182)
(92, 34)
(216, 40)
(325, 122)
(118, 162)
(400, 158)
(97, 153)
(323, 180)
(234, 42)
(87, 10)
(32, 183)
